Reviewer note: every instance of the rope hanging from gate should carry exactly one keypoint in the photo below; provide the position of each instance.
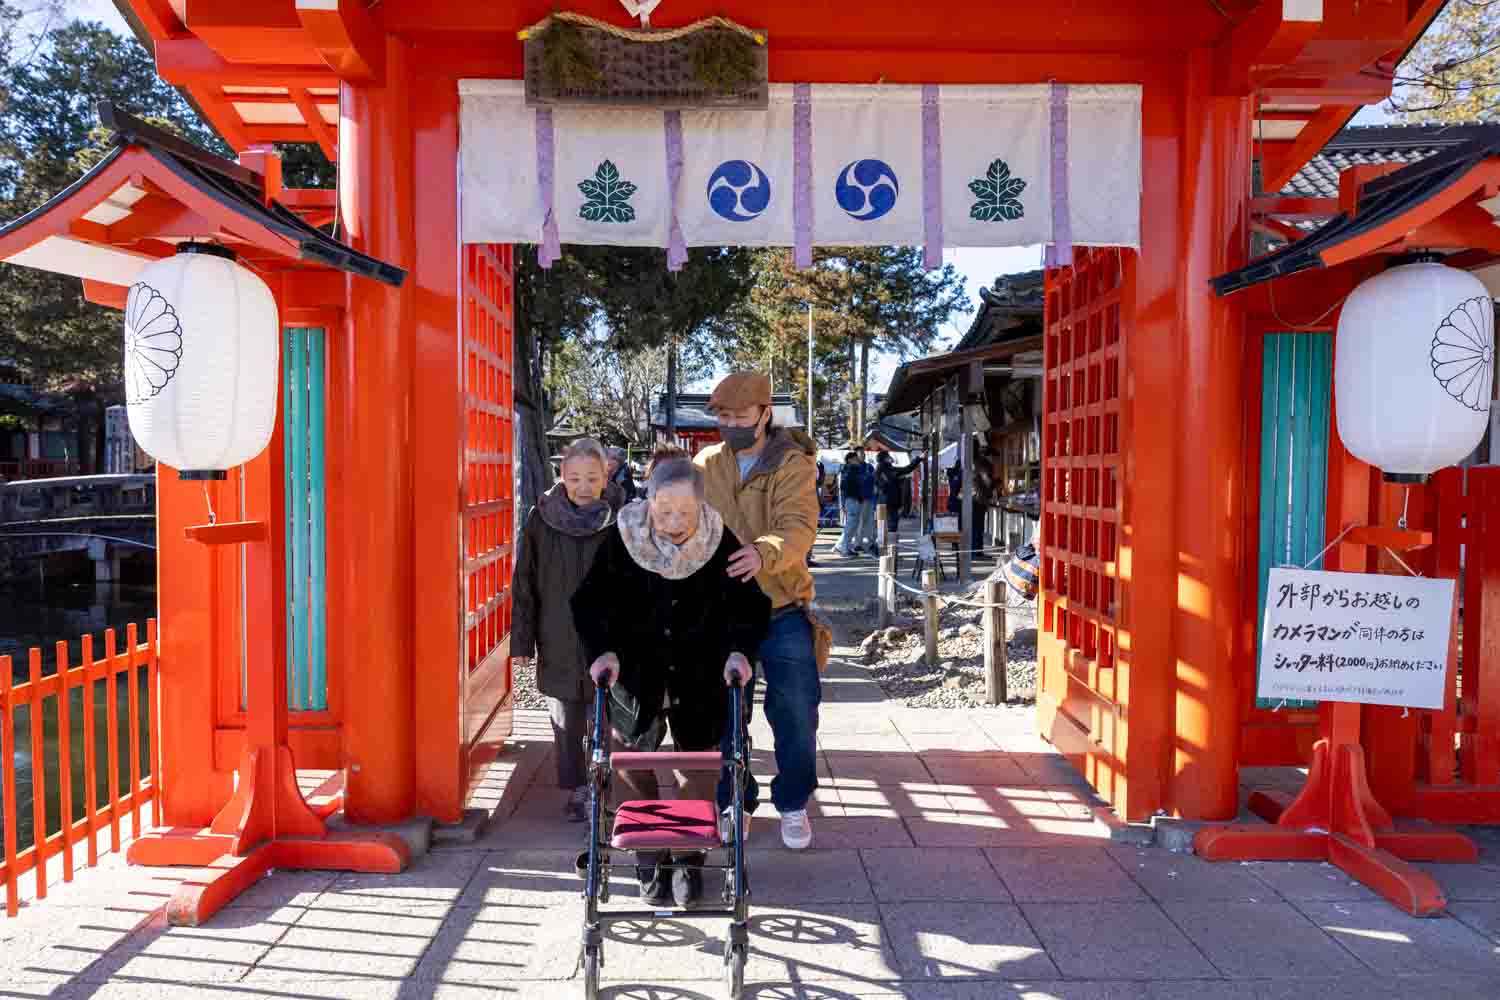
(638, 35)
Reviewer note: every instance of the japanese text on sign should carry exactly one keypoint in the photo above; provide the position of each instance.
(1356, 637)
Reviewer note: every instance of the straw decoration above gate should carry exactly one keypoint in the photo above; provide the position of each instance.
(822, 165)
(574, 59)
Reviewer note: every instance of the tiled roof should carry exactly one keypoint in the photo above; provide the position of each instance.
(1011, 302)
(1374, 144)
(692, 411)
(1397, 196)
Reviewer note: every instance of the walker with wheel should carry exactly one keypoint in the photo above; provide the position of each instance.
(665, 825)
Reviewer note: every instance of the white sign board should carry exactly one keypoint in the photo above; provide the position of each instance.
(1355, 637)
(945, 526)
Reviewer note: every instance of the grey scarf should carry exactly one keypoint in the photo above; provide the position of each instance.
(560, 513)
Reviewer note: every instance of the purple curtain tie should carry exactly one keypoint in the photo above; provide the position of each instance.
(1060, 250)
(932, 178)
(677, 253)
(802, 200)
(550, 248)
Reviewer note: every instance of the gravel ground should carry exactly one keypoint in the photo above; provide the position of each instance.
(527, 696)
(895, 657)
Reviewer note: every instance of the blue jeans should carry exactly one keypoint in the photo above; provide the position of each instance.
(793, 692)
(859, 525)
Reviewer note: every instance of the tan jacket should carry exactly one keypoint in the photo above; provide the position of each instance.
(776, 508)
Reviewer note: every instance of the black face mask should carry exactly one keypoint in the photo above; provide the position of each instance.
(739, 438)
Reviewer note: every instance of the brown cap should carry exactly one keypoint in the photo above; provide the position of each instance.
(739, 390)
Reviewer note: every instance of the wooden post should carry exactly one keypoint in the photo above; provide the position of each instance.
(966, 492)
(880, 539)
(929, 586)
(995, 692)
(887, 591)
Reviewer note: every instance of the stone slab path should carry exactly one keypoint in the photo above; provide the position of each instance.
(955, 858)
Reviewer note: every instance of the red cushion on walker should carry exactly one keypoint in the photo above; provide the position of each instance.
(666, 825)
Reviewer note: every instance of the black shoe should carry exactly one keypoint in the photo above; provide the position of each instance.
(654, 891)
(576, 809)
(687, 883)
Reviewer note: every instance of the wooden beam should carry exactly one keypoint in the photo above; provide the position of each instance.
(1277, 229)
(1276, 173)
(1428, 211)
(158, 216)
(188, 61)
(308, 199)
(158, 18)
(221, 114)
(102, 293)
(287, 98)
(227, 532)
(1295, 209)
(350, 41)
(326, 137)
(1354, 88)
(1263, 44)
(279, 132)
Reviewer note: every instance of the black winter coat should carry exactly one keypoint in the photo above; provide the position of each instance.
(549, 567)
(671, 636)
(891, 486)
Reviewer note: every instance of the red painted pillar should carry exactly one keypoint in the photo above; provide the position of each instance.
(438, 704)
(197, 596)
(1149, 440)
(1210, 508)
(376, 193)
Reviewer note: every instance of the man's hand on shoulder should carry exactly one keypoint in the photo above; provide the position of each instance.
(746, 563)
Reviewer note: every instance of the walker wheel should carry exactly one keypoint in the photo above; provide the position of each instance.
(734, 970)
(593, 958)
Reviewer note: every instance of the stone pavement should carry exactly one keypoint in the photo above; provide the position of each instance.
(955, 858)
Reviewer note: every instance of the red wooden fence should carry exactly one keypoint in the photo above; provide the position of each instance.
(40, 699)
(1458, 748)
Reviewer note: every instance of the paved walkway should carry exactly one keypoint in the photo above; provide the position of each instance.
(955, 858)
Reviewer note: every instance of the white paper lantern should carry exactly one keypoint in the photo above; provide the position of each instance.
(1414, 368)
(202, 356)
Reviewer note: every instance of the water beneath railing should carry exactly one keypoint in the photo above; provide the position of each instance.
(33, 616)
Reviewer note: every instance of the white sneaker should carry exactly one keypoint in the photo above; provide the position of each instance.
(726, 826)
(796, 829)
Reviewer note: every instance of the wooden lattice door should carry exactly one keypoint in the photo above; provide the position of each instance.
(1081, 684)
(488, 484)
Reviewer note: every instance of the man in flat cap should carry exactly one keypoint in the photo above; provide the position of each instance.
(761, 480)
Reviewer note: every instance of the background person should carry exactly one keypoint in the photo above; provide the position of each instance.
(619, 474)
(562, 534)
(857, 490)
(894, 489)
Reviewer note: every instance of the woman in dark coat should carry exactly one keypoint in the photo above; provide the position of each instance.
(893, 490)
(665, 624)
(562, 534)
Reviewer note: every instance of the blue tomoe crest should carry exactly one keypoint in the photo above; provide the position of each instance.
(738, 190)
(867, 189)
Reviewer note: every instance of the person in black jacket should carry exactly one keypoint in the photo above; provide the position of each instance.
(558, 543)
(619, 474)
(666, 628)
(892, 488)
